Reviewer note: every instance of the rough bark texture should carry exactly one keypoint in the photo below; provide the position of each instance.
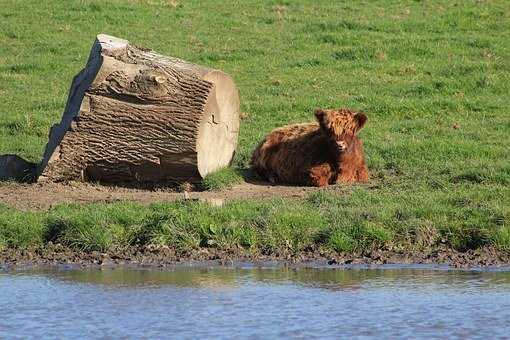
(134, 116)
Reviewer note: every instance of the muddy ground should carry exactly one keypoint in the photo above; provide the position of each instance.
(157, 257)
(44, 196)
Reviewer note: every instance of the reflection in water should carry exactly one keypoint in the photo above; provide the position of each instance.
(252, 302)
(230, 278)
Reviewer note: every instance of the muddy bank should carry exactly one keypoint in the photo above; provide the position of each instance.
(163, 257)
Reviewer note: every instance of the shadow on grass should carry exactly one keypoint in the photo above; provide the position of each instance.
(16, 169)
(228, 177)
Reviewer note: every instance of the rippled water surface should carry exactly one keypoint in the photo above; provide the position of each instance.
(254, 303)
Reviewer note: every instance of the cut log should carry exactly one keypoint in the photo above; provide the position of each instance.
(136, 116)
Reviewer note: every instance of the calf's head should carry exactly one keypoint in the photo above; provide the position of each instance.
(339, 124)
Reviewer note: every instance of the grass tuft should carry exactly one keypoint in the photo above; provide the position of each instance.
(20, 229)
(222, 179)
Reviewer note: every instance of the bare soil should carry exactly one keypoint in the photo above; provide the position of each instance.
(43, 196)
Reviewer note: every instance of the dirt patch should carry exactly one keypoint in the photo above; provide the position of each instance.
(152, 256)
(44, 196)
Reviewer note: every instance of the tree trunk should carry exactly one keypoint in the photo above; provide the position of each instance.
(134, 116)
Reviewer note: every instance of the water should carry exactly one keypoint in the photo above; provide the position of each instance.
(254, 303)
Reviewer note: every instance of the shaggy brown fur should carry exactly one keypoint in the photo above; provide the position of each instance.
(315, 154)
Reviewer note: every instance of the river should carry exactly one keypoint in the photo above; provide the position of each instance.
(255, 303)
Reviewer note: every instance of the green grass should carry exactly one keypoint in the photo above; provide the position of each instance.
(324, 221)
(432, 76)
(222, 179)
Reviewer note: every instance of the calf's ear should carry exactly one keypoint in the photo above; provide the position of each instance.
(319, 113)
(322, 117)
(361, 119)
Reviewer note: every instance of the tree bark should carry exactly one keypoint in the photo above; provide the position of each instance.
(135, 116)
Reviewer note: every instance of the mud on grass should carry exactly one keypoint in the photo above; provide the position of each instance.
(364, 225)
(162, 256)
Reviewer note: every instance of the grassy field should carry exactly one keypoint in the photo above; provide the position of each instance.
(433, 78)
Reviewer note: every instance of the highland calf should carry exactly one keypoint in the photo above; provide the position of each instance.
(315, 154)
